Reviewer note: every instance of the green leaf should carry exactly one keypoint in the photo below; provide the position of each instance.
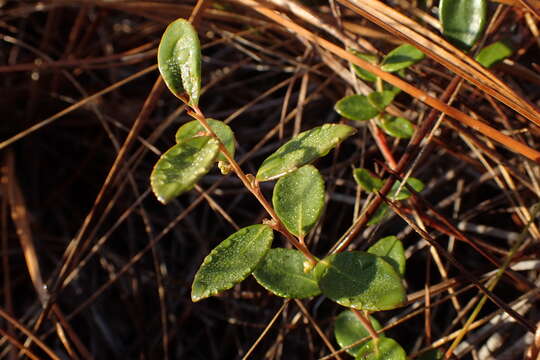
(415, 183)
(303, 149)
(494, 53)
(361, 281)
(282, 273)
(179, 60)
(194, 129)
(380, 214)
(299, 199)
(390, 248)
(463, 21)
(232, 261)
(433, 354)
(348, 330)
(356, 107)
(401, 58)
(361, 73)
(397, 126)
(381, 99)
(182, 166)
(382, 349)
(367, 180)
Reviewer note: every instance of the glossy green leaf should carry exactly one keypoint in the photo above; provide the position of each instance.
(401, 58)
(194, 129)
(382, 349)
(367, 180)
(381, 99)
(494, 53)
(299, 199)
(282, 273)
(356, 107)
(361, 73)
(390, 248)
(380, 214)
(348, 330)
(397, 126)
(404, 193)
(179, 59)
(232, 261)
(361, 281)
(182, 166)
(303, 149)
(463, 21)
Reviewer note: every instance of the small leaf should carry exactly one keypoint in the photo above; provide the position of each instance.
(361, 73)
(356, 107)
(299, 199)
(232, 261)
(382, 349)
(397, 126)
(194, 129)
(433, 354)
(380, 214)
(415, 183)
(463, 21)
(367, 181)
(361, 281)
(303, 149)
(401, 58)
(381, 99)
(391, 250)
(179, 60)
(348, 330)
(494, 53)
(282, 273)
(182, 166)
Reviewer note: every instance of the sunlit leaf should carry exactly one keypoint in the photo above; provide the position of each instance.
(348, 330)
(356, 107)
(361, 281)
(397, 126)
(179, 59)
(367, 180)
(381, 349)
(391, 250)
(194, 129)
(232, 261)
(361, 73)
(282, 272)
(299, 199)
(494, 53)
(401, 58)
(182, 166)
(463, 21)
(303, 149)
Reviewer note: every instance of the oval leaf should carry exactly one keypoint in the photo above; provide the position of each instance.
(494, 53)
(361, 281)
(404, 193)
(282, 273)
(182, 166)
(232, 261)
(194, 129)
(397, 126)
(401, 58)
(382, 349)
(356, 107)
(179, 60)
(299, 199)
(361, 73)
(380, 214)
(381, 99)
(463, 21)
(390, 248)
(367, 180)
(303, 149)
(348, 330)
